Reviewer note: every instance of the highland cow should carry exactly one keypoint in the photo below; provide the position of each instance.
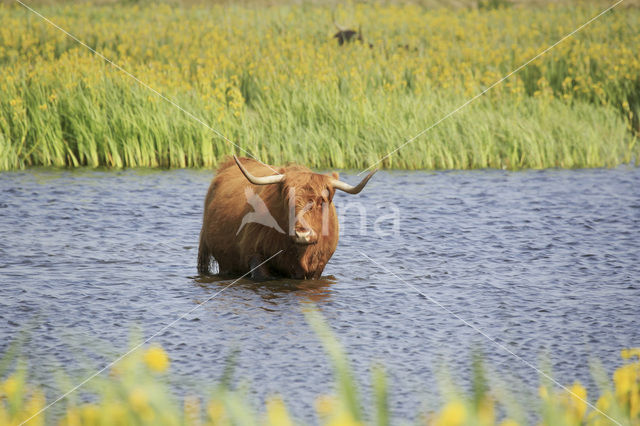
(252, 213)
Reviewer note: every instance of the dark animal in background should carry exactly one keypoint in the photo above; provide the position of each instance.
(296, 199)
(347, 35)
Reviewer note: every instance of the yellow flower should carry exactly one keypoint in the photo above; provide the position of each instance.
(216, 411)
(156, 359)
(42, 107)
(71, 418)
(604, 402)
(509, 422)
(139, 400)
(453, 414)
(33, 407)
(578, 400)
(90, 414)
(10, 386)
(631, 352)
(624, 379)
(277, 413)
(343, 418)
(333, 413)
(486, 412)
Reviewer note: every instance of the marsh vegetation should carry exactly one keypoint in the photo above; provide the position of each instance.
(273, 80)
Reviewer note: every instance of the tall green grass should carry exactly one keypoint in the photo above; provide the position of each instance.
(116, 125)
(274, 82)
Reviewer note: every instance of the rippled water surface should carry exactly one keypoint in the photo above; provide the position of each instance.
(539, 261)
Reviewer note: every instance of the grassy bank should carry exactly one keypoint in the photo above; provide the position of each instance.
(135, 392)
(273, 80)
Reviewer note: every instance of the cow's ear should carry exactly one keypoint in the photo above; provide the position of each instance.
(335, 175)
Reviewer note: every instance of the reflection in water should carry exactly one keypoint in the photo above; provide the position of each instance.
(316, 291)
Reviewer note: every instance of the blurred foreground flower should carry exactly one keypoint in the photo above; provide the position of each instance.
(453, 414)
(156, 359)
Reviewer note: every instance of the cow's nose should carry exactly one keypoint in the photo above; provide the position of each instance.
(306, 236)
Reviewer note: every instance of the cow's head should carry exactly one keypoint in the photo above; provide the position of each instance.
(307, 197)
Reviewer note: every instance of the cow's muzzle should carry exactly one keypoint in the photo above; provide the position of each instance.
(305, 237)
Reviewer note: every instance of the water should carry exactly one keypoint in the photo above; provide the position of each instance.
(539, 261)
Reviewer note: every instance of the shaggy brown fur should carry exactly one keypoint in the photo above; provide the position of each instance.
(226, 205)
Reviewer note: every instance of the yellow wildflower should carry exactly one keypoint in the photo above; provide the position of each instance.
(10, 386)
(576, 403)
(624, 378)
(156, 359)
(631, 352)
(277, 414)
(90, 414)
(486, 412)
(216, 411)
(343, 418)
(33, 406)
(139, 400)
(604, 402)
(71, 418)
(453, 414)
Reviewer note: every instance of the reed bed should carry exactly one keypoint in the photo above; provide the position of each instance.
(274, 81)
(135, 392)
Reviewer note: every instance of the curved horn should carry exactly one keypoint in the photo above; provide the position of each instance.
(343, 186)
(333, 17)
(258, 180)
